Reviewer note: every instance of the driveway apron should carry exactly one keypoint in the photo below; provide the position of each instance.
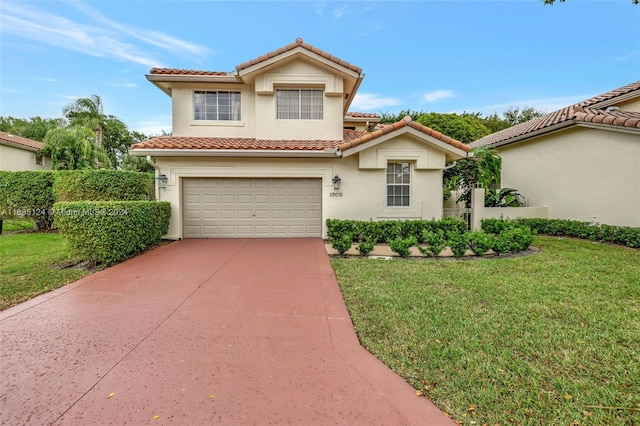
(224, 331)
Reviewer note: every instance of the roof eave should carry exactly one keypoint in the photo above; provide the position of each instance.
(530, 135)
(270, 153)
(615, 100)
(19, 146)
(158, 79)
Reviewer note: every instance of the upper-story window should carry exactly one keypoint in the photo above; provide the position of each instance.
(299, 104)
(216, 105)
(398, 184)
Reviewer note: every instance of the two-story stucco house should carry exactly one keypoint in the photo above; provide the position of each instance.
(271, 150)
(582, 161)
(18, 153)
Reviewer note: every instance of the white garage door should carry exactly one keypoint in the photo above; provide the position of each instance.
(214, 208)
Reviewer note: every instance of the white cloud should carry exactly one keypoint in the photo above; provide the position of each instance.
(437, 95)
(153, 127)
(628, 56)
(341, 11)
(101, 37)
(372, 102)
(125, 85)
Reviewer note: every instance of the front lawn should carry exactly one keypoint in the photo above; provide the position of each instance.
(27, 266)
(551, 338)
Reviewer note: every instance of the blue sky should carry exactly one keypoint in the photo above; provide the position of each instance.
(442, 56)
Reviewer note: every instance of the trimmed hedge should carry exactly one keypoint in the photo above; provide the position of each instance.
(623, 235)
(103, 185)
(106, 232)
(27, 194)
(387, 230)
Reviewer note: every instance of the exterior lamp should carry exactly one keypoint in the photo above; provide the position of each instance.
(162, 181)
(336, 182)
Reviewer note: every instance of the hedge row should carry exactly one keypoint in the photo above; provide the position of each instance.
(429, 237)
(106, 232)
(623, 235)
(31, 194)
(103, 185)
(27, 194)
(387, 230)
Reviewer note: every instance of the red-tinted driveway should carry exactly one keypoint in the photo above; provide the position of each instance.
(200, 332)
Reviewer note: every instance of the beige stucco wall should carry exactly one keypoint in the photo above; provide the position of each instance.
(630, 105)
(362, 194)
(258, 114)
(582, 174)
(15, 159)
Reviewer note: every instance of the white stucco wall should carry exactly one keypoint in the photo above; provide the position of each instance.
(15, 159)
(363, 191)
(258, 111)
(582, 174)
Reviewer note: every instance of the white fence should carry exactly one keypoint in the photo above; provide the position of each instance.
(479, 211)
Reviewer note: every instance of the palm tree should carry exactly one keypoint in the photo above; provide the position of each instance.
(87, 112)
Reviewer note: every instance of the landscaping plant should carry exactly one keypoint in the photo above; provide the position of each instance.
(434, 241)
(402, 245)
(366, 245)
(341, 243)
(480, 242)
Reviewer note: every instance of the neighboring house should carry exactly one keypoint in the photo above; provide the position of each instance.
(582, 161)
(18, 153)
(270, 150)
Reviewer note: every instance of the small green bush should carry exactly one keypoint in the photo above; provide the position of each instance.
(341, 244)
(106, 232)
(103, 185)
(386, 230)
(434, 241)
(458, 244)
(366, 245)
(402, 245)
(480, 242)
(27, 194)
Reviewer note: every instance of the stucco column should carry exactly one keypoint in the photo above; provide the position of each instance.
(477, 207)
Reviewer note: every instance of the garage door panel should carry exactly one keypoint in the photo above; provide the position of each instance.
(252, 208)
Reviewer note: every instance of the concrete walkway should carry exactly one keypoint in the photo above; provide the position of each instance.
(233, 332)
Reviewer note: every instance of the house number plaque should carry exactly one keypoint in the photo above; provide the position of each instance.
(335, 194)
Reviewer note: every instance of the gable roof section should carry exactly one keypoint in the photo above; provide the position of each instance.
(351, 139)
(587, 111)
(298, 43)
(20, 142)
(398, 125)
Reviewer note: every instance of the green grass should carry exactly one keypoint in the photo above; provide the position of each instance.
(27, 266)
(17, 225)
(531, 340)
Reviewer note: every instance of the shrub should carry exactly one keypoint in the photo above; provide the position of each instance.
(435, 242)
(27, 194)
(366, 245)
(402, 245)
(103, 185)
(520, 238)
(623, 235)
(106, 232)
(341, 244)
(458, 244)
(480, 242)
(386, 230)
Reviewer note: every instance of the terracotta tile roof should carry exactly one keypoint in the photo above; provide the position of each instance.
(406, 121)
(19, 140)
(351, 139)
(186, 142)
(572, 114)
(351, 114)
(173, 71)
(298, 43)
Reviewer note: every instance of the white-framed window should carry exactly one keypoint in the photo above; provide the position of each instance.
(299, 104)
(398, 184)
(39, 159)
(216, 105)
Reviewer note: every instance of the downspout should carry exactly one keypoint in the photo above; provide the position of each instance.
(157, 173)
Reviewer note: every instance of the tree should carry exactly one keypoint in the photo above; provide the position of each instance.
(34, 128)
(483, 169)
(513, 115)
(72, 148)
(464, 127)
(87, 112)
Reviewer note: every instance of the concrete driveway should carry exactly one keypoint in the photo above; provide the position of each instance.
(233, 332)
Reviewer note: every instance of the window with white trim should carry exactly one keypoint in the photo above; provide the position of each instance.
(216, 105)
(299, 104)
(39, 159)
(398, 184)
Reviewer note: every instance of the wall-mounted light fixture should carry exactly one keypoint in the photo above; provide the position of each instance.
(162, 181)
(336, 182)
